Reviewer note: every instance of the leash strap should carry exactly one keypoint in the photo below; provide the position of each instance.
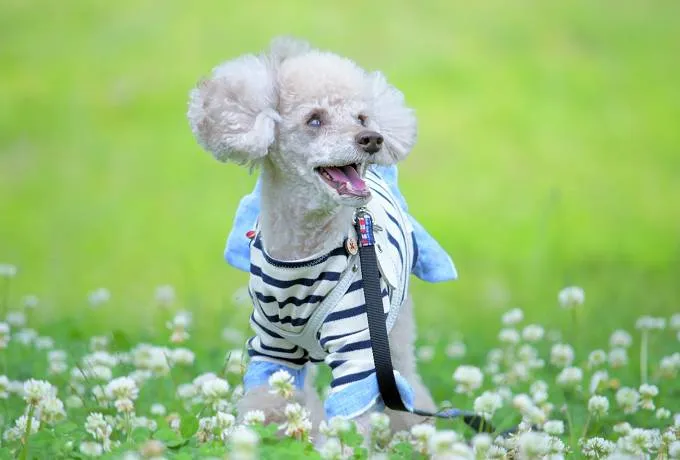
(377, 329)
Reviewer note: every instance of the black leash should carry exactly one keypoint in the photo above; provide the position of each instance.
(377, 329)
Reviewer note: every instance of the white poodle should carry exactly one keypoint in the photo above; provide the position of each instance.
(320, 128)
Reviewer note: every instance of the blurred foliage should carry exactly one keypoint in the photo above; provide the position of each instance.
(547, 154)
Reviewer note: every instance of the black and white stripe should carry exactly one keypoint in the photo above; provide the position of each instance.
(285, 295)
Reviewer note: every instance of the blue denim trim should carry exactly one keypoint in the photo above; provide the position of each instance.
(360, 396)
(258, 373)
(433, 263)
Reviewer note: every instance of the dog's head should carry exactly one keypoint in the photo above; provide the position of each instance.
(316, 117)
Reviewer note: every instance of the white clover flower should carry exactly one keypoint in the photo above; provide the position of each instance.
(182, 356)
(441, 444)
(662, 413)
(648, 323)
(97, 426)
(533, 445)
(234, 363)
(534, 416)
(152, 448)
(255, 417)
(379, 421)
(140, 376)
(18, 431)
(206, 426)
(674, 450)
(335, 427)
(618, 357)
(187, 391)
(143, 422)
(554, 427)
(244, 443)
(237, 393)
(51, 410)
(331, 450)
(124, 405)
(598, 405)
(456, 350)
(25, 336)
(215, 389)
(158, 410)
(179, 325)
(468, 378)
(98, 297)
(425, 353)
(149, 357)
(123, 391)
(570, 377)
(16, 318)
(421, 434)
(30, 302)
(7, 270)
(597, 358)
(622, 428)
(508, 336)
(297, 423)
(57, 367)
(165, 295)
(533, 333)
(571, 296)
(487, 404)
(99, 343)
(37, 390)
(638, 441)
(596, 447)
(561, 355)
(282, 384)
(91, 449)
(522, 402)
(628, 399)
(620, 339)
(599, 379)
(99, 358)
(512, 317)
(647, 394)
(481, 444)
(669, 366)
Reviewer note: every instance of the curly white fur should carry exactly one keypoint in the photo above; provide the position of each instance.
(254, 110)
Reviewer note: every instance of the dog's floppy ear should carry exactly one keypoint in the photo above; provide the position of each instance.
(396, 122)
(233, 112)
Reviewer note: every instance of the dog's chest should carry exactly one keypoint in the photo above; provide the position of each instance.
(286, 294)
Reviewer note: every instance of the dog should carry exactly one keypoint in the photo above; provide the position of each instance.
(326, 136)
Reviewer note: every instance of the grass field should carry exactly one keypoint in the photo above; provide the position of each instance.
(548, 155)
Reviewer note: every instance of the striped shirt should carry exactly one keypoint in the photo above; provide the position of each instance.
(286, 294)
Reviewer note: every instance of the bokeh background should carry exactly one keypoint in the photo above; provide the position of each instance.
(548, 152)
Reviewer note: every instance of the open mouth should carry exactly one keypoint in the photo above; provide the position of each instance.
(346, 180)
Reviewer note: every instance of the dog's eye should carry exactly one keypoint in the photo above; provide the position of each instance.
(363, 119)
(314, 120)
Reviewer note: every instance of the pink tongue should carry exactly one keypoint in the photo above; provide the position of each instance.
(348, 174)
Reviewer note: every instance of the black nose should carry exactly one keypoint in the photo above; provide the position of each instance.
(370, 141)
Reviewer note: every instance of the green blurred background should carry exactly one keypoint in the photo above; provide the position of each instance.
(548, 151)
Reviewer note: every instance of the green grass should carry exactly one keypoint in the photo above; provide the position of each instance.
(547, 154)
